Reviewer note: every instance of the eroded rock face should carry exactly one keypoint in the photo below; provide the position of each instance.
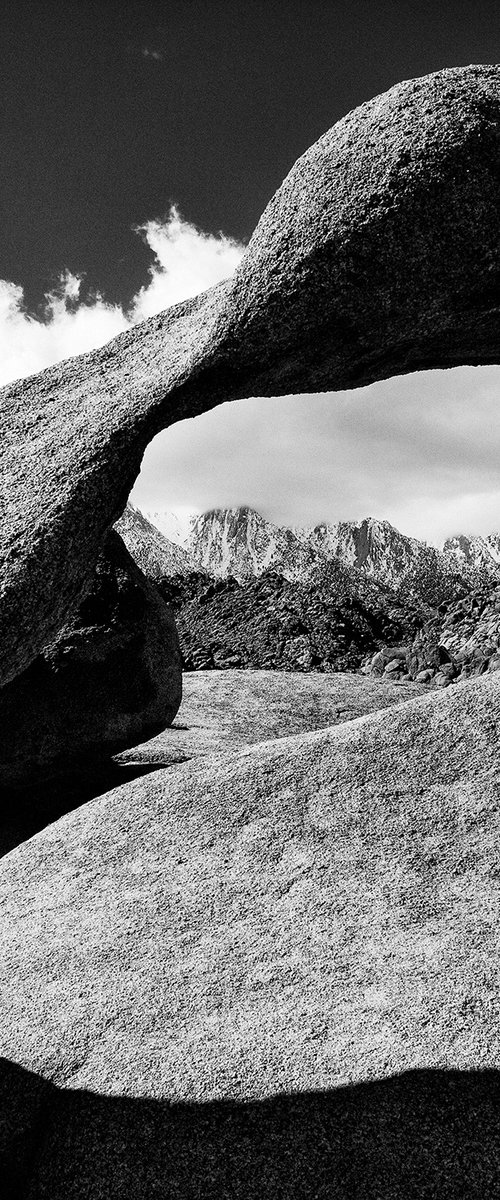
(378, 255)
(113, 677)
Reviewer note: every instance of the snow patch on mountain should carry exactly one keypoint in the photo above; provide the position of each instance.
(238, 542)
(175, 524)
(375, 547)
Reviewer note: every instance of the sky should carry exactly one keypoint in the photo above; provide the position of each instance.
(140, 143)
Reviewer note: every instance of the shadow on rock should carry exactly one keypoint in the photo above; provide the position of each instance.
(425, 1133)
(24, 811)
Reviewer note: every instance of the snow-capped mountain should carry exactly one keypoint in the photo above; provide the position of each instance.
(376, 547)
(238, 542)
(153, 553)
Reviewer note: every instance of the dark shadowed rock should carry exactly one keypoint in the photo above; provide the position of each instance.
(424, 1133)
(299, 917)
(113, 677)
(378, 255)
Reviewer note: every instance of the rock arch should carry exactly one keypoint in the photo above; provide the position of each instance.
(378, 255)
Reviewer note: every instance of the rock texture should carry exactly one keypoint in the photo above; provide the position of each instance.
(220, 712)
(462, 640)
(206, 937)
(403, 188)
(230, 710)
(328, 623)
(112, 678)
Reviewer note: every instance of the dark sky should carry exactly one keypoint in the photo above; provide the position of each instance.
(111, 111)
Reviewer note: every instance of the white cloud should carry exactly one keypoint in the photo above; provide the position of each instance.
(28, 345)
(186, 262)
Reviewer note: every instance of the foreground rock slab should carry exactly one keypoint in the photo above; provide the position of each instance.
(403, 189)
(113, 676)
(228, 710)
(221, 711)
(310, 926)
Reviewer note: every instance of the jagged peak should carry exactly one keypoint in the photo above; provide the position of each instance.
(239, 541)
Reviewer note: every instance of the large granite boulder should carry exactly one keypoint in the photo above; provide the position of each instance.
(378, 255)
(270, 975)
(112, 678)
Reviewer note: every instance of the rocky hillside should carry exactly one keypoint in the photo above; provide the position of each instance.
(154, 554)
(324, 599)
(460, 640)
(328, 623)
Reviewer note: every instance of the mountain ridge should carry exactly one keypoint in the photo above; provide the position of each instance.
(240, 543)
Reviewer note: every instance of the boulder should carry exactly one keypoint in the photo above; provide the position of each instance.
(426, 651)
(394, 666)
(441, 680)
(403, 188)
(112, 678)
(298, 654)
(378, 662)
(203, 968)
(424, 676)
